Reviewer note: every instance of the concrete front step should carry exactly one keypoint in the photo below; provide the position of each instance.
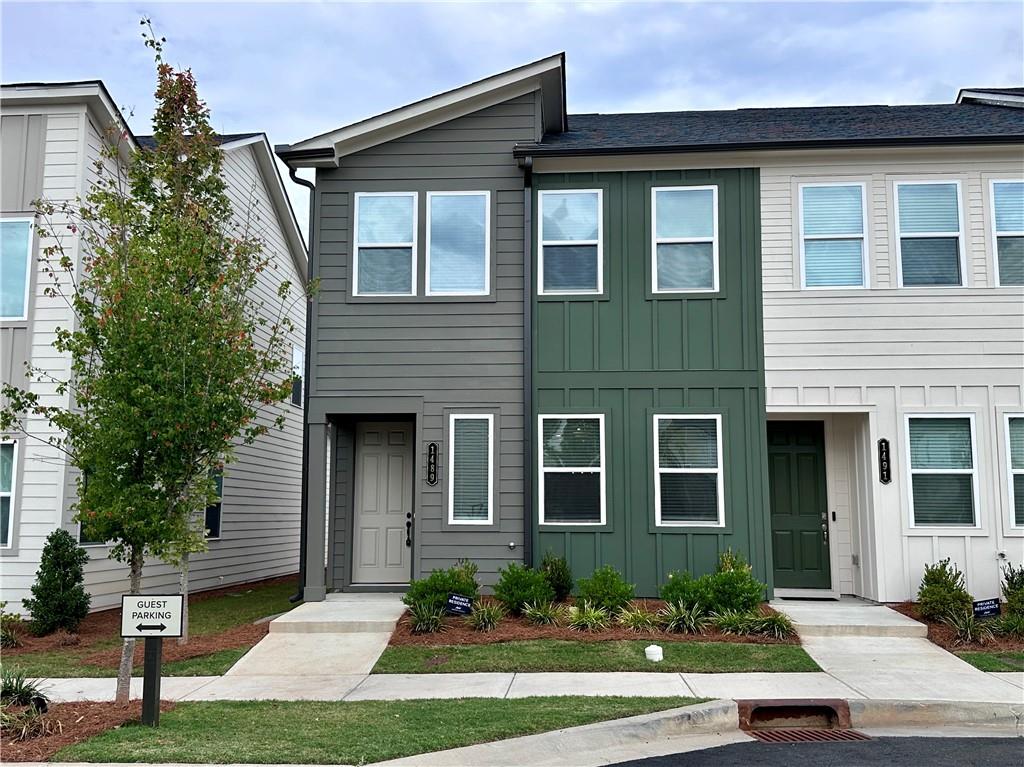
(848, 618)
(343, 614)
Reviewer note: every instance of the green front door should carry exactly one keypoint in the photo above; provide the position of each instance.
(796, 478)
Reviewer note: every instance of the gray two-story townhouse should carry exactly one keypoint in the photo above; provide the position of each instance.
(644, 339)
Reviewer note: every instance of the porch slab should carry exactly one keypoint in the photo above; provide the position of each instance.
(312, 655)
(342, 614)
(613, 683)
(417, 686)
(848, 617)
(243, 687)
(774, 686)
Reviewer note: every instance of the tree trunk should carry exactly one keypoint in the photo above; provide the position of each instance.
(124, 670)
(183, 590)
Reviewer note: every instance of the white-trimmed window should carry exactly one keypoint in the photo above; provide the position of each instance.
(1015, 465)
(571, 259)
(943, 477)
(688, 481)
(929, 234)
(213, 513)
(15, 266)
(572, 470)
(833, 248)
(298, 372)
(8, 471)
(470, 469)
(385, 244)
(458, 243)
(1008, 230)
(684, 245)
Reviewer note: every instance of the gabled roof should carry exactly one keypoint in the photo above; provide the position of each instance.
(148, 142)
(546, 75)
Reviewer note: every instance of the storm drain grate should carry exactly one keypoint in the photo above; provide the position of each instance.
(805, 735)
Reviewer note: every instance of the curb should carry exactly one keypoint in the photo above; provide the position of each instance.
(897, 713)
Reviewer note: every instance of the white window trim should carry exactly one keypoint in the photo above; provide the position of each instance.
(719, 470)
(656, 241)
(1010, 471)
(489, 417)
(541, 242)
(996, 234)
(28, 266)
(572, 469)
(13, 494)
(863, 237)
(973, 471)
(356, 245)
(961, 249)
(487, 245)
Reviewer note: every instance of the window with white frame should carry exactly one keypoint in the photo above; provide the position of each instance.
(929, 233)
(470, 469)
(688, 470)
(684, 247)
(1015, 459)
(571, 259)
(8, 469)
(298, 372)
(212, 515)
(833, 250)
(1008, 226)
(572, 470)
(385, 244)
(15, 266)
(942, 470)
(458, 243)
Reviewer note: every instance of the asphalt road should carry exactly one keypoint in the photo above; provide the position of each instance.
(887, 752)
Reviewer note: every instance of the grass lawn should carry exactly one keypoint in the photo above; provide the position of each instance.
(999, 660)
(559, 655)
(358, 732)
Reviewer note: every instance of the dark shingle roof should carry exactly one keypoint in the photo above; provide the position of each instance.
(148, 142)
(779, 128)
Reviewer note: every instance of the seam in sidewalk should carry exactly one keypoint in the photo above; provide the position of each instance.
(511, 682)
(205, 684)
(358, 685)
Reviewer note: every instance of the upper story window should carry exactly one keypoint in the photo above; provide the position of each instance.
(1008, 224)
(572, 490)
(212, 515)
(929, 233)
(688, 488)
(1015, 458)
(8, 467)
(942, 470)
(832, 227)
(684, 257)
(470, 469)
(15, 260)
(298, 372)
(458, 243)
(385, 244)
(571, 258)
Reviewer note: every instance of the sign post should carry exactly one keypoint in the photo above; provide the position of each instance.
(151, 617)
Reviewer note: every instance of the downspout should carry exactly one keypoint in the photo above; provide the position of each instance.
(303, 513)
(526, 163)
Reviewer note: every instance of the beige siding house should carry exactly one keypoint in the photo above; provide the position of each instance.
(52, 135)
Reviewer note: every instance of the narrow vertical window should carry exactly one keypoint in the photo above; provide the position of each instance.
(684, 256)
(470, 469)
(942, 481)
(570, 241)
(458, 243)
(385, 244)
(8, 468)
(1008, 225)
(212, 515)
(572, 474)
(688, 470)
(298, 371)
(1015, 447)
(15, 260)
(929, 234)
(832, 228)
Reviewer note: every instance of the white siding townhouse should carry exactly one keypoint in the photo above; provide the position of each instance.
(51, 137)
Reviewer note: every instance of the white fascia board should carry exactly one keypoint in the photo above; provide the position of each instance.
(989, 97)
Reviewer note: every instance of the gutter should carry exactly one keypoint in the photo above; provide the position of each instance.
(526, 164)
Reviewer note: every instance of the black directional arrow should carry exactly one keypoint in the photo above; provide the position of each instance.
(144, 627)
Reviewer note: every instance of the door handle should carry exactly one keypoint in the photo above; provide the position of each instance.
(824, 532)
(408, 529)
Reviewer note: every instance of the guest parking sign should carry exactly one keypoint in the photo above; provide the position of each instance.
(151, 615)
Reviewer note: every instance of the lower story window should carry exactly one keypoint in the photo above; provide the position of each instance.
(213, 511)
(1015, 440)
(8, 467)
(942, 469)
(688, 470)
(470, 467)
(572, 483)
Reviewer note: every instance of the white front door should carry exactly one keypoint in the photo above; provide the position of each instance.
(383, 503)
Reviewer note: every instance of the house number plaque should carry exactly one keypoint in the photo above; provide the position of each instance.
(432, 463)
(884, 462)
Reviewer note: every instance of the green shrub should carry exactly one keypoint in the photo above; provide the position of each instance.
(542, 613)
(426, 618)
(11, 628)
(942, 593)
(1013, 589)
(17, 690)
(485, 617)
(638, 619)
(1008, 625)
(680, 619)
(968, 628)
(518, 586)
(774, 626)
(735, 622)
(433, 590)
(681, 588)
(59, 599)
(606, 589)
(559, 576)
(733, 586)
(587, 617)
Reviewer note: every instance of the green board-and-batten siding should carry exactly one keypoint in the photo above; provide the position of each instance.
(629, 354)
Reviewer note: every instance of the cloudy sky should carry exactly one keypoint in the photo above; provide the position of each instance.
(297, 69)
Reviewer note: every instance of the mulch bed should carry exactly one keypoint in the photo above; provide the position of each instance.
(511, 629)
(945, 636)
(71, 723)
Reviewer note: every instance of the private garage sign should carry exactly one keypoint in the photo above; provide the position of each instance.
(151, 615)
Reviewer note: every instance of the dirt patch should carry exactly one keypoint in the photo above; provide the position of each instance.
(510, 629)
(945, 636)
(71, 723)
